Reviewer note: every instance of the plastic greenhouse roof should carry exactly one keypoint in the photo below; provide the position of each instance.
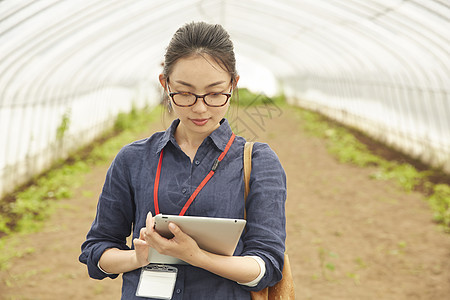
(54, 48)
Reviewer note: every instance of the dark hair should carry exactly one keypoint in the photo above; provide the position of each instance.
(201, 38)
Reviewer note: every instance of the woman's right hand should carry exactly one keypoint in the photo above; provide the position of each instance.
(141, 247)
(116, 261)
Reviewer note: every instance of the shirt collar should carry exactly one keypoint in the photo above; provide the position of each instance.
(169, 135)
(220, 136)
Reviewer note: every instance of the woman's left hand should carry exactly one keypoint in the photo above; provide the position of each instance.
(181, 246)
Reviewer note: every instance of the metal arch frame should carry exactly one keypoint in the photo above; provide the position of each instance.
(410, 74)
(272, 7)
(245, 50)
(391, 21)
(102, 51)
(292, 43)
(415, 73)
(331, 53)
(72, 30)
(48, 93)
(393, 47)
(15, 10)
(336, 49)
(78, 79)
(332, 70)
(416, 69)
(419, 71)
(289, 39)
(26, 47)
(322, 47)
(343, 81)
(349, 39)
(31, 53)
(23, 63)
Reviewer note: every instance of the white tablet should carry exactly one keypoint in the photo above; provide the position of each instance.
(216, 235)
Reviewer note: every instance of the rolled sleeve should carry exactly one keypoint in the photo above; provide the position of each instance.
(266, 222)
(127, 197)
(262, 271)
(113, 221)
(91, 257)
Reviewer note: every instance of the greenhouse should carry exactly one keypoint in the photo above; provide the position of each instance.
(72, 71)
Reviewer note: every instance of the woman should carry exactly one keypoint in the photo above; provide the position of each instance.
(199, 77)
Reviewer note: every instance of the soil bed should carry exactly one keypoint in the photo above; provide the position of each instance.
(349, 236)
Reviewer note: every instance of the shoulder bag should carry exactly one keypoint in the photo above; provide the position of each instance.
(284, 289)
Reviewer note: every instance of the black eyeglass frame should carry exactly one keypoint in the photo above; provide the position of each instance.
(171, 94)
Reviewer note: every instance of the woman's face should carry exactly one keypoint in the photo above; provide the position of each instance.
(199, 75)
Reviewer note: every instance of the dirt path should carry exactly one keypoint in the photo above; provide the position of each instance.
(349, 236)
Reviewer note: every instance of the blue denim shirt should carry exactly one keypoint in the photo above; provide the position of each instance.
(127, 197)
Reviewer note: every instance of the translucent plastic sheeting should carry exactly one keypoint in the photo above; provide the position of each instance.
(382, 66)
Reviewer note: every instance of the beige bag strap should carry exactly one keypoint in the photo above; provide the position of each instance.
(248, 149)
(284, 289)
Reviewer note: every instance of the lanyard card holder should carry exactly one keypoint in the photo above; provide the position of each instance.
(157, 281)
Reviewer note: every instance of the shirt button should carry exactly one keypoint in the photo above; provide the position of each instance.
(197, 162)
(178, 291)
(184, 191)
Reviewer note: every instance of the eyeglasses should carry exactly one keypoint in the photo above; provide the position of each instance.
(186, 99)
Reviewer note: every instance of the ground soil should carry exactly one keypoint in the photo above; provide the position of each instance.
(349, 236)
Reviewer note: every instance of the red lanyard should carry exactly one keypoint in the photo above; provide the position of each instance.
(199, 188)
